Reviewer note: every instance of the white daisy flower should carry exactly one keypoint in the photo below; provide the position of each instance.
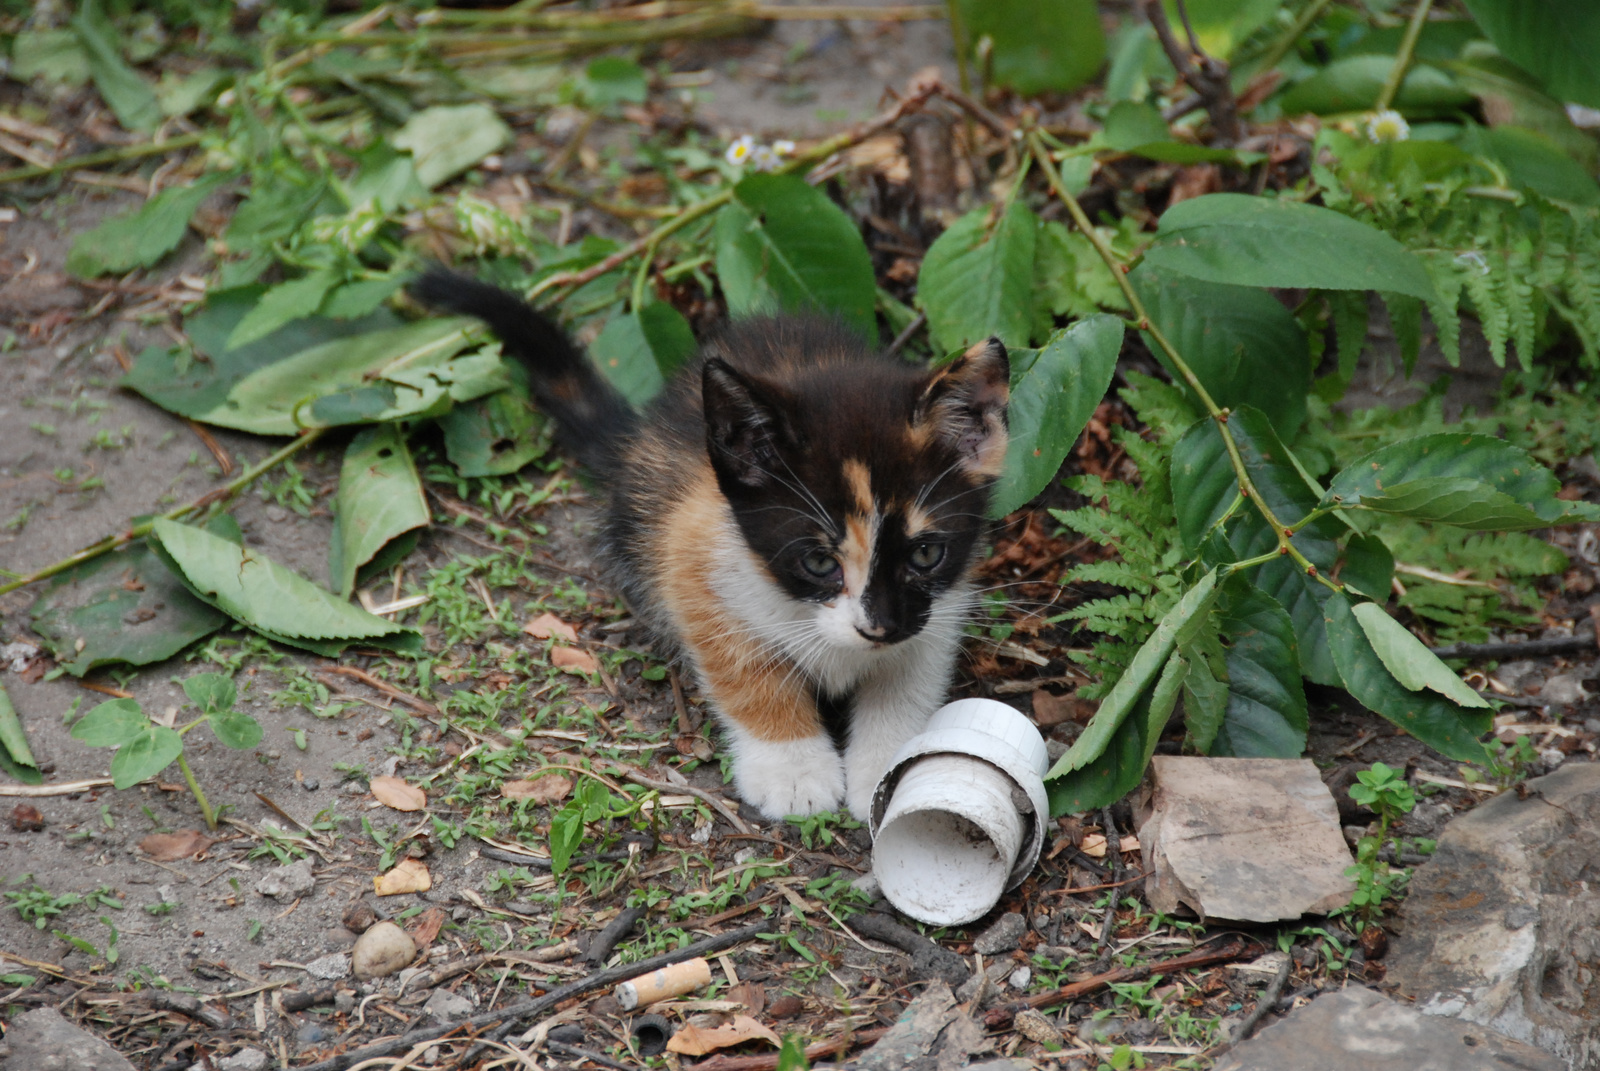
(1387, 125)
(763, 158)
(739, 152)
(783, 147)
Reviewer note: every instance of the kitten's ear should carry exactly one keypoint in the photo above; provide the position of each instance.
(965, 405)
(743, 425)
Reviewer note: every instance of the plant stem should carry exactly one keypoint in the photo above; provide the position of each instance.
(137, 531)
(95, 159)
(1247, 486)
(1280, 48)
(1402, 59)
(199, 797)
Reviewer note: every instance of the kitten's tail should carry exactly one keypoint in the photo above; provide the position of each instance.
(591, 416)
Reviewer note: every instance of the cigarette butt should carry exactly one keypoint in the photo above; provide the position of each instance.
(673, 981)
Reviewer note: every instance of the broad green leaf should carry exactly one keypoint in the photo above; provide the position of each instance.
(211, 692)
(1266, 709)
(353, 300)
(1533, 161)
(146, 755)
(235, 730)
(1146, 664)
(1205, 701)
(111, 724)
(1121, 763)
(1448, 728)
(140, 238)
(637, 352)
(1053, 395)
(1405, 656)
(1260, 241)
(129, 96)
(263, 595)
(1352, 84)
(495, 435)
(1221, 25)
(671, 339)
(1246, 348)
(380, 496)
(1368, 566)
(1137, 127)
(975, 279)
(1037, 45)
(286, 302)
(614, 80)
(1556, 40)
(445, 140)
(53, 56)
(383, 375)
(16, 760)
(1501, 86)
(781, 245)
(1471, 481)
(122, 607)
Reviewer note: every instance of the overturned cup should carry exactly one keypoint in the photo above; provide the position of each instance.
(959, 817)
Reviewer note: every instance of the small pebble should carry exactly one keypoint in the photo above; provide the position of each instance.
(1003, 936)
(1020, 978)
(277, 514)
(311, 784)
(310, 1034)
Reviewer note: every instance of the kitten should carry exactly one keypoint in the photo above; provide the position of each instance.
(798, 515)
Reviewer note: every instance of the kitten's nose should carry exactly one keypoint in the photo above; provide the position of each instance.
(883, 633)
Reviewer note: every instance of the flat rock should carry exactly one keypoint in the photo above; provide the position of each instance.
(1357, 1029)
(1003, 936)
(444, 1006)
(933, 1033)
(1502, 926)
(329, 968)
(43, 1040)
(245, 1060)
(288, 881)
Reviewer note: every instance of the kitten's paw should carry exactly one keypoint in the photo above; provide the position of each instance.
(789, 777)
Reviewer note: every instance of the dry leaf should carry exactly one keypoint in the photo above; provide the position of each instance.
(425, 927)
(393, 792)
(694, 1040)
(573, 658)
(547, 625)
(546, 789)
(1094, 844)
(409, 875)
(169, 847)
(753, 995)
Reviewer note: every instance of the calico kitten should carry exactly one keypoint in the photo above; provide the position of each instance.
(798, 515)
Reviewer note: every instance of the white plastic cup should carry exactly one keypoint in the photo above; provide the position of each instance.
(959, 816)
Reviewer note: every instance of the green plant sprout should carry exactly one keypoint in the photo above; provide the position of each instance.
(1384, 791)
(145, 748)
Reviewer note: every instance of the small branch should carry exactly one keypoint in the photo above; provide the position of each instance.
(1402, 59)
(95, 159)
(688, 790)
(1280, 48)
(1269, 997)
(1209, 78)
(1558, 645)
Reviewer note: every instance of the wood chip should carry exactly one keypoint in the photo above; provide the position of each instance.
(393, 792)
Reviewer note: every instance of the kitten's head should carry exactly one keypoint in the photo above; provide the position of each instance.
(861, 484)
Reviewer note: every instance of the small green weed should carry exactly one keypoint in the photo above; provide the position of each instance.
(1384, 791)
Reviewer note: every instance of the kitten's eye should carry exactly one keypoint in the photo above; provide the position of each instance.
(820, 564)
(927, 555)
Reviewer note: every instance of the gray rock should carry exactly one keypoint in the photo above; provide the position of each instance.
(344, 1003)
(1019, 978)
(1563, 690)
(329, 968)
(984, 988)
(381, 951)
(288, 881)
(1502, 925)
(1003, 936)
(42, 1040)
(245, 1060)
(1359, 1030)
(447, 1007)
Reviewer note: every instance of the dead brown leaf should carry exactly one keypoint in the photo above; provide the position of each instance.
(1049, 709)
(393, 792)
(753, 995)
(409, 875)
(425, 927)
(573, 658)
(546, 789)
(169, 847)
(547, 625)
(693, 1040)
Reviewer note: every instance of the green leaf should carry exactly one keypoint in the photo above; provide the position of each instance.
(1368, 566)
(111, 724)
(211, 692)
(1121, 763)
(638, 351)
(1352, 84)
(1148, 662)
(129, 96)
(1069, 278)
(1205, 701)
(1448, 728)
(1221, 25)
(122, 607)
(1471, 481)
(1266, 709)
(614, 80)
(293, 300)
(782, 245)
(1405, 656)
(671, 339)
(263, 595)
(1556, 40)
(975, 279)
(445, 140)
(53, 56)
(496, 435)
(1137, 127)
(380, 496)
(140, 238)
(1259, 241)
(235, 729)
(1053, 395)
(146, 755)
(16, 760)
(1534, 161)
(1246, 348)
(1037, 45)
(382, 375)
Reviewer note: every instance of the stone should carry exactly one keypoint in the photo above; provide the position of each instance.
(1563, 690)
(344, 1003)
(447, 1007)
(382, 950)
(44, 1040)
(1019, 978)
(1502, 925)
(329, 968)
(288, 881)
(1356, 1029)
(245, 1060)
(1004, 935)
(933, 1032)
(311, 1034)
